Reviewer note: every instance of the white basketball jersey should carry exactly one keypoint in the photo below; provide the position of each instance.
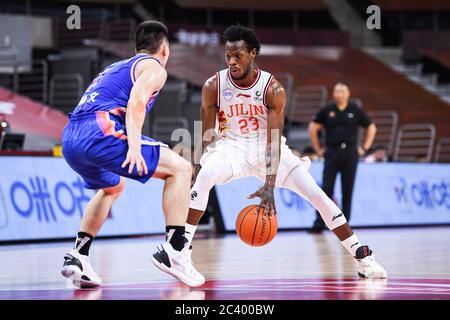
(242, 114)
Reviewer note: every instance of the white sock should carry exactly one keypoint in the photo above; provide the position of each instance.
(351, 244)
(190, 231)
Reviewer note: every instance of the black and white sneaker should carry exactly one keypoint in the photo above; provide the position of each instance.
(177, 264)
(367, 266)
(78, 269)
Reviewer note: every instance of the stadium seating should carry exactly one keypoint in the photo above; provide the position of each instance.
(65, 91)
(415, 143)
(305, 103)
(414, 42)
(386, 123)
(254, 4)
(400, 16)
(296, 66)
(412, 5)
(443, 150)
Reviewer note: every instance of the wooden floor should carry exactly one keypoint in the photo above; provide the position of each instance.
(295, 265)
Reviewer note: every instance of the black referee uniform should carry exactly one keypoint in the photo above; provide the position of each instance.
(341, 151)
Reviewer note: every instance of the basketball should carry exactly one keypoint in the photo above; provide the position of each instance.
(254, 228)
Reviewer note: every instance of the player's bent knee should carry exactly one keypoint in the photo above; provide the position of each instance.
(314, 195)
(200, 191)
(173, 165)
(117, 189)
(204, 181)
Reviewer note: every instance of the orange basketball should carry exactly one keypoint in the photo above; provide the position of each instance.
(254, 228)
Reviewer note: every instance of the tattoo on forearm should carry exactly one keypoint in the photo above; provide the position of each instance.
(273, 152)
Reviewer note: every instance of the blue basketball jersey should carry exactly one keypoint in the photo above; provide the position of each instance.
(110, 90)
(94, 142)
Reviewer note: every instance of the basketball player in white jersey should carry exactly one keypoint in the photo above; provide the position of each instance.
(248, 104)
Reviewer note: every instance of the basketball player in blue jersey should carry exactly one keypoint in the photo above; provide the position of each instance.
(247, 104)
(103, 143)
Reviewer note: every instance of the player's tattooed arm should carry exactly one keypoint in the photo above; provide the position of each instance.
(276, 100)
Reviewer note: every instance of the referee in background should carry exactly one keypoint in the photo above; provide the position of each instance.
(340, 120)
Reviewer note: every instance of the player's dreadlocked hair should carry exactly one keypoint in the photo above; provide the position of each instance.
(237, 32)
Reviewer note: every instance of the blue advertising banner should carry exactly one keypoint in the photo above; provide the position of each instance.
(385, 194)
(43, 198)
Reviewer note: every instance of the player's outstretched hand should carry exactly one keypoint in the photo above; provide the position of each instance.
(135, 158)
(267, 200)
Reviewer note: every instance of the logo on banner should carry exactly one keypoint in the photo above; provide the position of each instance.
(37, 198)
(292, 200)
(3, 212)
(423, 193)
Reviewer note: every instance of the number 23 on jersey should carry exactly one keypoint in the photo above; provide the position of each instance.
(247, 125)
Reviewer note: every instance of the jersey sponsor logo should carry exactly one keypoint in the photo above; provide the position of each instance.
(194, 195)
(227, 94)
(258, 96)
(350, 115)
(243, 95)
(331, 114)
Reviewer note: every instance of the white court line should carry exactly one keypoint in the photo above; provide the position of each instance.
(301, 288)
(282, 290)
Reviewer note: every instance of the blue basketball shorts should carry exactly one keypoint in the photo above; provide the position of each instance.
(95, 146)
